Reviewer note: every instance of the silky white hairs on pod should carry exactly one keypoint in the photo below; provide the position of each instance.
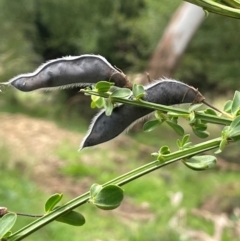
(165, 92)
(67, 72)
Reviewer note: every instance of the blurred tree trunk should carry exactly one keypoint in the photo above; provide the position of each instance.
(179, 32)
(176, 37)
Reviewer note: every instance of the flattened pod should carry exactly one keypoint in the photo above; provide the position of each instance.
(70, 72)
(165, 92)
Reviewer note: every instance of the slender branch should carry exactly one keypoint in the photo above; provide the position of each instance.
(121, 180)
(141, 103)
(29, 215)
(218, 8)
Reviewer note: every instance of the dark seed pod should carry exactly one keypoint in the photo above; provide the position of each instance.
(165, 92)
(67, 72)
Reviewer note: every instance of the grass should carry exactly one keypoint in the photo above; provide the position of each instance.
(156, 187)
(152, 191)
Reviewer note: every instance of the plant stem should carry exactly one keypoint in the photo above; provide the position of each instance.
(141, 103)
(218, 8)
(121, 180)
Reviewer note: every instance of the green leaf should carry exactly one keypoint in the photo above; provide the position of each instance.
(183, 144)
(72, 218)
(7, 235)
(99, 103)
(164, 150)
(93, 105)
(174, 119)
(151, 125)
(235, 123)
(200, 163)
(6, 223)
(108, 107)
(195, 106)
(138, 91)
(160, 116)
(179, 143)
(201, 127)
(95, 189)
(185, 139)
(109, 197)
(192, 117)
(222, 145)
(200, 133)
(121, 93)
(53, 201)
(228, 106)
(103, 86)
(235, 103)
(234, 128)
(177, 128)
(210, 112)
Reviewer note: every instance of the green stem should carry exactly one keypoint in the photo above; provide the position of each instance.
(121, 180)
(217, 8)
(141, 103)
(168, 159)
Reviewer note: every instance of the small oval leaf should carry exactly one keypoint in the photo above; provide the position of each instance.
(151, 125)
(108, 107)
(177, 128)
(228, 106)
(234, 128)
(99, 103)
(201, 127)
(210, 112)
(121, 93)
(192, 117)
(52, 201)
(110, 197)
(195, 106)
(103, 86)
(200, 163)
(235, 103)
(164, 150)
(185, 139)
(72, 218)
(95, 189)
(6, 223)
(138, 91)
(200, 133)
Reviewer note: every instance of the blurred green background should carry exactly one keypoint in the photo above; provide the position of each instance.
(40, 131)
